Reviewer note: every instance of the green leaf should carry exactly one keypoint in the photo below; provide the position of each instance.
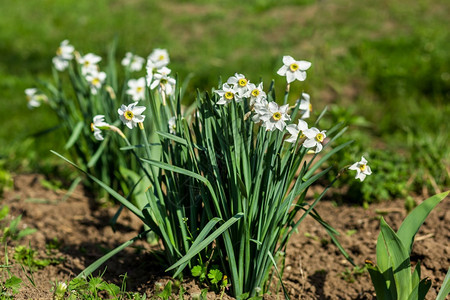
(75, 134)
(199, 246)
(379, 283)
(421, 290)
(286, 295)
(165, 294)
(415, 219)
(399, 258)
(324, 159)
(112, 192)
(445, 288)
(13, 283)
(25, 232)
(415, 278)
(172, 137)
(197, 271)
(96, 264)
(215, 276)
(4, 212)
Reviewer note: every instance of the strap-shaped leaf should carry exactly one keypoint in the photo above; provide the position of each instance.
(379, 283)
(445, 288)
(75, 134)
(96, 264)
(421, 290)
(199, 245)
(172, 137)
(286, 295)
(415, 219)
(415, 277)
(98, 153)
(324, 159)
(399, 258)
(112, 192)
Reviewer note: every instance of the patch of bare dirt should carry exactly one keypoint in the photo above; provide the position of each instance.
(314, 267)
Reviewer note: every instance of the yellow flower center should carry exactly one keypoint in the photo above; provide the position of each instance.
(128, 115)
(139, 89)
(276, 116)
(95, 81)
(362, 167)
(161, 57)
(163, 81)
(302, 136)
(320, 137)
(229, 95)
(310, 107)
(255, 93)
(243, 82)
(294, 67)
(92, 126)
(86, 63)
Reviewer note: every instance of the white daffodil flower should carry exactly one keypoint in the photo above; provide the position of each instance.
(131, 115)
(159, 58)
(296, 130)
(34, 99)
(227, 94)
(294, 69)
(361, 168)
(275, 116)
(64, 54)
(89, 63)
(314, 138)
(163, 81)
(97, 125)
(240, 83)
(95, 79)
(132, 61)
(136, 89)
(260, 108)
(256, 93)
(173, 125)
(305, 106)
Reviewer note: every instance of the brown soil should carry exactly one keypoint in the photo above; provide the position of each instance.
(314, 267)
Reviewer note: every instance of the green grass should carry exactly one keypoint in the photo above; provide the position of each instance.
(387, 61)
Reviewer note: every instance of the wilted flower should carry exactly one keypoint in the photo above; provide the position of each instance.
(256, 93)
(133, 61)
(305, 106)
(89, 63)
(34, 99)
(296, 130)
(136, 89)
(294, 69)
(131, 115)
(361, 168)
(64, 53)
(314, 138)
(227, 94)
(163, 81)
(173, 125)
(275, 116)
(97, 125)
(95, 80)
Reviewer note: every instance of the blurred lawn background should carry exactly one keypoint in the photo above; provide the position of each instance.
(381, 66)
